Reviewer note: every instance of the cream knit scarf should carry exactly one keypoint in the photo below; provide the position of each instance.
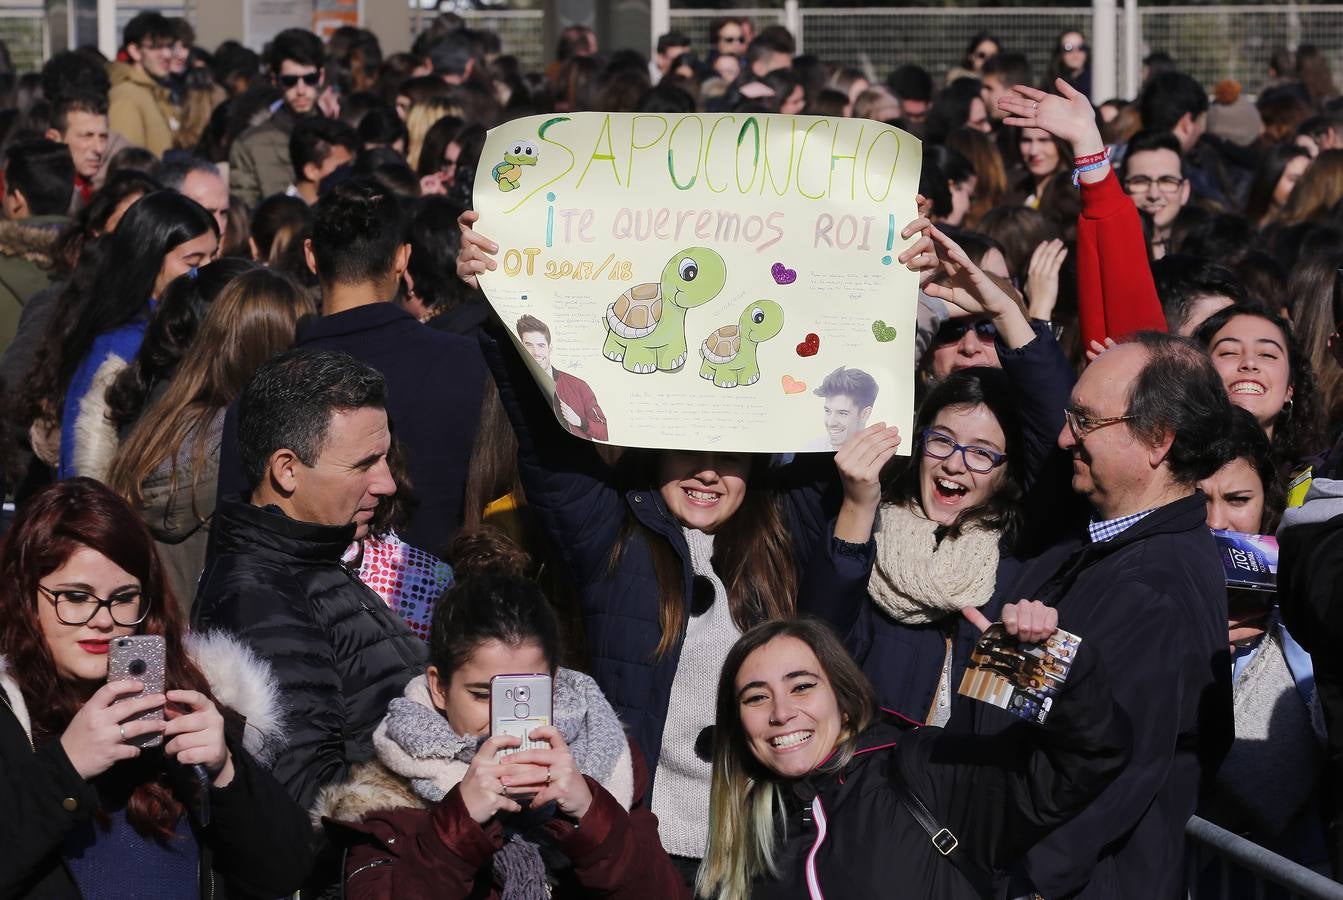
(917, 580)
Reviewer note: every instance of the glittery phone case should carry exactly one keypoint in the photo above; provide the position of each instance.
(141, 657)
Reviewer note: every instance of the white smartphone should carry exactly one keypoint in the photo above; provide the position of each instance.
(139, 657)
(519, 704)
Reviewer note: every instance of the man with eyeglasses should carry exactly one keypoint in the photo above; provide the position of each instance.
(1142, 583)
(1154, 179)
(259, 163)
(140, 106)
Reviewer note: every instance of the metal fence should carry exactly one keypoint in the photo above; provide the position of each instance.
(1220, 865)
(1209, 42)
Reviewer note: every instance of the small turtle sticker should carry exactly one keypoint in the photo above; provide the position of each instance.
(646, 324)
(729, 353)
(508, 174)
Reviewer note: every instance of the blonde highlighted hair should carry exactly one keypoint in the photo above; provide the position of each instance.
(746, 812)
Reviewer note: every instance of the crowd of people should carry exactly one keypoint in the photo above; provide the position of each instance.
(253, 401)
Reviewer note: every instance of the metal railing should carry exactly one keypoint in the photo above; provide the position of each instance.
(1220, 865)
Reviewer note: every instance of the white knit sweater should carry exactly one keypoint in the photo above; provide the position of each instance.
(681, 783)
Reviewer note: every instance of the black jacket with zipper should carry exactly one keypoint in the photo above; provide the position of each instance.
(256, 843)
(851, 832)
(339, 653)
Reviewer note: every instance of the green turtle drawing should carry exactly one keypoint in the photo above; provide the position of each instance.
(730, 352)
(507, 173)
(646, 324)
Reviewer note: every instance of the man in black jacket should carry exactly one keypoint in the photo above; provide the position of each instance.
(1144, 586)
(314, 441)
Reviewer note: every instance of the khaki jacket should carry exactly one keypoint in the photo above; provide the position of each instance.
(259, 164)
(141, 109)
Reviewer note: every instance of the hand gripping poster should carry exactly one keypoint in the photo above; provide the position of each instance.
(707, 281)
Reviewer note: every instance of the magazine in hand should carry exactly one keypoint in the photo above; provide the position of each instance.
(1250, 560)
(1023, 679)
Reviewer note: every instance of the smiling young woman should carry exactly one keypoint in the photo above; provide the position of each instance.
(1266, 371)
(817, 792)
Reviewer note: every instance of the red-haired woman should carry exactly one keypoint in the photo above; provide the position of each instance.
(87, 813)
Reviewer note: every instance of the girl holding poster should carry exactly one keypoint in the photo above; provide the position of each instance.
(676, 554)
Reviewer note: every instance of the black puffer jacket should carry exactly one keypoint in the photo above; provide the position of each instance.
(850, 833)
(339, 654)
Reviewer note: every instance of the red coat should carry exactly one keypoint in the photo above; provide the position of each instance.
(575, 392)
(442, 852)
(1116, 295)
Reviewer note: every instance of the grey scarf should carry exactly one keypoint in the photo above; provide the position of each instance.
(417, 741)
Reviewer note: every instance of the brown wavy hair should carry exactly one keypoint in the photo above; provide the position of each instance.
(255, 317)
(52, 525)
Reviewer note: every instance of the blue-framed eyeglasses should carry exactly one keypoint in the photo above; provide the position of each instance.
(980, 460)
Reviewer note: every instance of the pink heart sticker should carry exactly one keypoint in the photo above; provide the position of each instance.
(792, 386)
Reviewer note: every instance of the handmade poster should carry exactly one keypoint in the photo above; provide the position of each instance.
(709, 281)
(1023, 679)
(1249, 560)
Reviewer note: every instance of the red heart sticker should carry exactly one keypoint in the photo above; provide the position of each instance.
(809, 346)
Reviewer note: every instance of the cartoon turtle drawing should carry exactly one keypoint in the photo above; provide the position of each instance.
(507, 173)
(730, 352)
(646, 324)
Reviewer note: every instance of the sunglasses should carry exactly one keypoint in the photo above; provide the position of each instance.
(312, 79)
(732, 39)
(952, 332)
(1069, 47)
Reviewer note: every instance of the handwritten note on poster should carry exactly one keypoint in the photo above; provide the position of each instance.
(707, 281)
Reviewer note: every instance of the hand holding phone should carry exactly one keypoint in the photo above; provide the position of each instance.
(140, 657)
(96, 738)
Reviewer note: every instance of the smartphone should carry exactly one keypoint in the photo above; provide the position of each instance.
(519, 704)
(139, 657)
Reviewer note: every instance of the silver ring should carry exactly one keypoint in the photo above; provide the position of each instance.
(122, 729)
(547, 776)
(502, 790)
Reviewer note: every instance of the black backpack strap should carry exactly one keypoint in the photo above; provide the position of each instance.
(943, 840)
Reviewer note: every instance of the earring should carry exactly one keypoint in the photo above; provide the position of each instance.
(1287, 408)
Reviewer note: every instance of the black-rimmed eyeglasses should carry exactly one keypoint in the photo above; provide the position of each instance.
(127, 608)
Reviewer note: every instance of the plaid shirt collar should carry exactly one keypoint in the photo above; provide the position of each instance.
(1107, 529)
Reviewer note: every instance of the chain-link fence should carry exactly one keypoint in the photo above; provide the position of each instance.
(21, 28)
(1209, 42)
(520, 31)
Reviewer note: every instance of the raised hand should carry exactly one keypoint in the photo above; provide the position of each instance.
(967, 287)
(921, 257)
(1042, 279)
(95, 740)
(477, 252)
(1067, 115)
(861, 460)
(555, 773)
